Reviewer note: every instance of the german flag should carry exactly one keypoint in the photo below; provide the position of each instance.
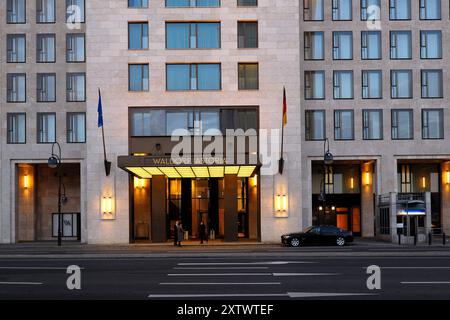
(284, 107)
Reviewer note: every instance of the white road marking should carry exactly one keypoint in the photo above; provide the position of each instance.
(413, 267)
(234, 295)
(425, 282)
(218, 283)
(21, 283)
(222, 268)
(304, 274)
(241, 263)
(34, 268)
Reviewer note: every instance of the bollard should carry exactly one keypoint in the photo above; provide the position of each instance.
(443, 239)
(399, 239)
(415, 239)
(430, 239)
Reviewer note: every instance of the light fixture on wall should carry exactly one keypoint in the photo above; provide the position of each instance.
(447, 177)
(26, 181)
(139, 183)
(424, 182)
(255, 180)
(352, 183)
(281, 204)
(367, 178)
(107, 205)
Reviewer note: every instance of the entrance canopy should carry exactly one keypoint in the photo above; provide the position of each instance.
(216, 167)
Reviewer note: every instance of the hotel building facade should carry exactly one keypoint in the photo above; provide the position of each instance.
(176, 75)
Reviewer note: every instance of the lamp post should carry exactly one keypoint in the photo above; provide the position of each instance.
(327, 160)
(55, 162)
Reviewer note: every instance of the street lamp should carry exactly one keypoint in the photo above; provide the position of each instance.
(55, 162)
(327, 160)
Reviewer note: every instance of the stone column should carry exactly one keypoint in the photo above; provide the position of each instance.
(230, 214)
(158, 205)
(367, 200)
(445, 199)
(393, 213)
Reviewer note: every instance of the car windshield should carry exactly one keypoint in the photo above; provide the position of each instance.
(308, 229)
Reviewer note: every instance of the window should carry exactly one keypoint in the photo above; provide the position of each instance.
(16, 87)
(248, 76)
(430, 44)
(401, 84)
(46, 87)
(45, 48)
(15, 11)
(313, 10)
(430, 9)
(342, 45)
(16, 48)
(314, 45)
(138, 77)
(137, 3)
(76, 87)
(148, 122)
(75, 12)
(372, 124)
(314, 85)
(400, 9)
(343, 84)
(247, 34)
(401, 45)
(342, 9)
(314, 125)
(402, 124)
(138, 35)
(372, 84)
(45, 11)
(76, 127)
(370, 10)
(192, 3)
(247, 3)
(46, 127)
(432, 86)
(193, 77)
(16, 128)
(432, 124)
(185, 35)
(75, 47)
(370, 45)
(343, 125)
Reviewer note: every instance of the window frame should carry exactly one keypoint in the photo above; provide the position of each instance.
(39, 127)
(425, 47)
(39, 38)
(305, 45)
(39, 77)
(68, 115)
(364, 127)
(392, 47)
(139, 7)
(308, 133)
(392, 7)
(196, 23)
(352, 85)
(424, 8)
(379, 71)
(336, 47)
(411, 86)
(305, 9)
(16, 35)
(84, 11)
(243, 23)
(8, 77)
(196, 73)
(142, 65)
(142, 23)
(196, 6)
(440, 72)
(37, 13)
(74, 35)
(335, 8)
(24, 13)
(411, 116)
(441, 124)
(245, 64)
(9, 115)
(339, 127)
(365, 7)
(305, 84)
(365, 38)
(70, 74)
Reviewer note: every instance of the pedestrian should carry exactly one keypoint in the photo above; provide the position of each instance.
(180, 233)
(175, 233)
(202, 232)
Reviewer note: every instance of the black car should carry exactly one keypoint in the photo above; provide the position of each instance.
(326, 235)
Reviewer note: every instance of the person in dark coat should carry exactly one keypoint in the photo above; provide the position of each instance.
(180, 233)
(202, 231)
(175, 233)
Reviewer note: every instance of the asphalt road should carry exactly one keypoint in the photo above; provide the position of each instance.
(281, 274)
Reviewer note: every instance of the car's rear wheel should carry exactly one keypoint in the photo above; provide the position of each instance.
(295, 242)
(340, 241)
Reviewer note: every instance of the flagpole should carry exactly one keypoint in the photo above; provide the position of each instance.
(281, 161)
(105, 160)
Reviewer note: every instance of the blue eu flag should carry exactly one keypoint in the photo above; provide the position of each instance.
(100, 110)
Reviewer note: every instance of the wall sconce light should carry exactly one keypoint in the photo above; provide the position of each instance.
(352, 183)
(139, 183)
(107, 205)
(333, 208)
(320, 208)
(447, 177)
(367, 178)
(281, 204)
(255, 180)
(26, 181)
(424, 182)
